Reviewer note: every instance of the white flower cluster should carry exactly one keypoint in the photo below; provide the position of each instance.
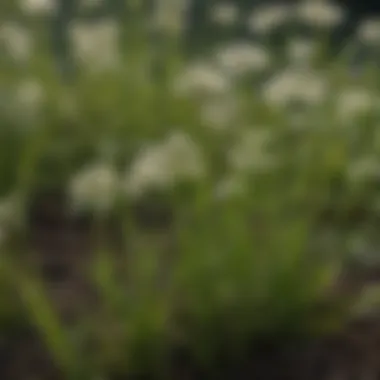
(16, 41)
(176, 158)
(249, 155)
(225, 14)
(94, 187)
(220, 114)
(211, 81)
(24, 103)
(267, 18)
(250, 152)
(38, 7)
(96, 45)
(369, 32)
(320, 13)
(29, 97)
(242, 58)
(158, 166)
(354, 102)
(301, 51)
(295, 85)
(202, 79)
(169, 16)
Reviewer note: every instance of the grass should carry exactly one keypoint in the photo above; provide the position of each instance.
(243, 257)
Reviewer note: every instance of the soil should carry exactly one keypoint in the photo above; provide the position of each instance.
(62, 250)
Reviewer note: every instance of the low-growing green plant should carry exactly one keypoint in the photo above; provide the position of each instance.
(244, 154)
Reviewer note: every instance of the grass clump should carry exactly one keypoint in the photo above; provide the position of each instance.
(232, 179)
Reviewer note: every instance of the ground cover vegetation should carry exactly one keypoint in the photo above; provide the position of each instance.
(173, 212)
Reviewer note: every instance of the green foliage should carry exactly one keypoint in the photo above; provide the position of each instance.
(233, 266)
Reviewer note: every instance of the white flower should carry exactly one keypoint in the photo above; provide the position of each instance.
(170, 15)
(242, 58)
(369, 31)
(94, 188)
(96, 44)
(149, 170)
(320, 13)
(295, 86)
(29, 97)
(251, 151)
(225, 14)
(220, 113)
(267, 18)
(187, 160)
(162, 165)
(202, 79)
(37, 7)
(354, 102)
(17, 40)
(301, 51)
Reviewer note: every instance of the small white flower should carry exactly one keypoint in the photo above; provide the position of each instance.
(16, 40)
(29, 97)
(267, 18)
(225, 14)
(96, 44)
(292, 85)
(202, 79)
(320, 13)
(185, 154)
(369, 31)
(162, 165)
(251, 151)
(354, 102)
(219, 114)
(242, 58)
(149, 170)
(169, 15)
(94, 188)
(30, 93)
(37, 7)
(301, 51)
